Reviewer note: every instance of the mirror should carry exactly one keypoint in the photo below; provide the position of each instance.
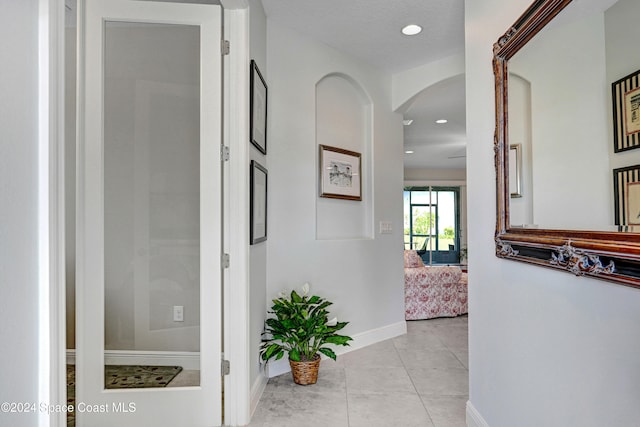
(567, 139)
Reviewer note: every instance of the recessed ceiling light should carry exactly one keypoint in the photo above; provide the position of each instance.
(411, 30)
(407, 122)
(441, 121)
(408, 152)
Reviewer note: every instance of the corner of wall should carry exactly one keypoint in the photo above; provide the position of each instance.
(257, 389)
(474, 419)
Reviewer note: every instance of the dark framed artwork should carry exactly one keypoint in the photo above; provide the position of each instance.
(340, 173)
(258, 203)
(626, 112)
(626, 191)
(258, 109)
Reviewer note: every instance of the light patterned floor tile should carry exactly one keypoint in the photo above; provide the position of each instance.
(447, 411)
(419, 379)
(380, 355)
(428, 358)
(440, 381)
(186, 378)
(292, 408)
(419, 340)
(384, 410)
(378, 381)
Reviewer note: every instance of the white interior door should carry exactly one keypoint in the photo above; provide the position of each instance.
(149, 210)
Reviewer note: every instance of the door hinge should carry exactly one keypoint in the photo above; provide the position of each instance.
(225, 47)
(226, 367)
(226, 260)
(224, 153)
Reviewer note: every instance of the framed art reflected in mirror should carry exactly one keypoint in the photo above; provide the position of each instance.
(626, 184)
(625, 94)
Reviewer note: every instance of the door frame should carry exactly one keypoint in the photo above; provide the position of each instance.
(51, 212)
(236, 333)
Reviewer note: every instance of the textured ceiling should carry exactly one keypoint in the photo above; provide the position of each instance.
(370, 29)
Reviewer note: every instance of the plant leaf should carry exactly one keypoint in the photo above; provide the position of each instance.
(269, 351)
(327, 352)
(337, 339)
(340, 325)
(295, 297)
(294, 355)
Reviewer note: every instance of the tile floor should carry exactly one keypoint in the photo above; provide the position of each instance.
(418, 379)
(186, 378)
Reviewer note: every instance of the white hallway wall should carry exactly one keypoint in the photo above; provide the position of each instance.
(363, 277)
(545, 348)
(19, 208)
(258, 252)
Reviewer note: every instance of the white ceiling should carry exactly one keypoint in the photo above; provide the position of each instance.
(437, 146)
(370, 30)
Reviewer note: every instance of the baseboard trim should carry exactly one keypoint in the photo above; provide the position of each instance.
(257, 389)
(474, 419)
(373, 336)
(189, 360)
(363, 339)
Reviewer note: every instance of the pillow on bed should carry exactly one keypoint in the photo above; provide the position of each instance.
(412, 259)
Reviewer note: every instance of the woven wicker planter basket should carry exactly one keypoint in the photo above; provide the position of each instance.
(305, 373)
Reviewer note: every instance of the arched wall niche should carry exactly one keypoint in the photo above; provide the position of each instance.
(344, 119)
(521, 207)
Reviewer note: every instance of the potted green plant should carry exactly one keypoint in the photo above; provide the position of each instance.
(463, 255)
(301, 327)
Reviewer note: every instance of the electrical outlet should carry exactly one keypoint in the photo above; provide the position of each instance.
(178, 313)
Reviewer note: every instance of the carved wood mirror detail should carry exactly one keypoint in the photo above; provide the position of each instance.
(609, 254)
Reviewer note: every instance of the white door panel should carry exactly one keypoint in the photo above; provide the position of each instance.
(149, 206)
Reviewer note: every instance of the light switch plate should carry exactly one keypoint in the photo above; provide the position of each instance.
(386, 227)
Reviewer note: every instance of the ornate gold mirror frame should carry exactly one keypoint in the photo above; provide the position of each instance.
(612, 256)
